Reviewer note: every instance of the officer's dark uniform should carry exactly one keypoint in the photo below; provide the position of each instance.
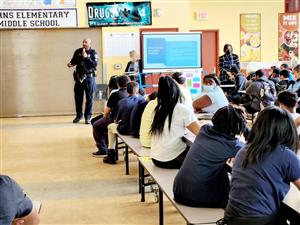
(84, 77)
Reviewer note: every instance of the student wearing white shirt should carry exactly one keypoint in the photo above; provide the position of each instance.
(213, 97)
(170, 120)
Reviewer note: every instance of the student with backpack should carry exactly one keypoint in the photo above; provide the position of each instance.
(284, 81)
(261, 93)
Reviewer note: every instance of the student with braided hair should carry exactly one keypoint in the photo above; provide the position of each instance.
(202, 181)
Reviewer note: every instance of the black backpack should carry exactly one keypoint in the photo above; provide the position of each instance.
(267, 94)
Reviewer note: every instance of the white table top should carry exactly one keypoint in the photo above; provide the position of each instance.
(292, 199)
(165, 178)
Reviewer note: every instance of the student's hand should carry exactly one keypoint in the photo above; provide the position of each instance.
(31, 219)
(297, 122)
(194, 127)
(297, 184)
(198, 111)
(230, 162)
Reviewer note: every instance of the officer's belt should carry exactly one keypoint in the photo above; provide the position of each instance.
(89, 75)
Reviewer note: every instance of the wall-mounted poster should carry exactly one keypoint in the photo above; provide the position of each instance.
(250, 40)
(26, 4)
(288, 36)
(119, 14)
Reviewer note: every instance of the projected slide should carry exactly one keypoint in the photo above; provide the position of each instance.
(171, 51)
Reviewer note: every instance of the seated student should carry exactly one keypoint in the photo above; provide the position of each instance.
(275, 75)
(284, 81)
(294, 86)
(146, 121)
(263, 170)
(121, 122)
(170, 120)
(240, 85)
(288, 101)
(135, 64)
(100, 126)
(136, 115)
(15, 207)
(112, 85)
(271, 71)
(111, 88)
(180, 79)
(254, 91)
(250, 79)
(202, 181)
(285, 66)
(213, 97)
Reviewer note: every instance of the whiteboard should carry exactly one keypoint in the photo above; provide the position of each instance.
(120, 44)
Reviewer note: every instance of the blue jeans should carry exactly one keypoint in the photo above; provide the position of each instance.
(100, 132)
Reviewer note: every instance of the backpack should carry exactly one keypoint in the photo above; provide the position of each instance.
(267, 94)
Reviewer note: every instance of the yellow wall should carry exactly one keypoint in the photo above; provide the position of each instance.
(223, 15)
(174, 14)
(226, 18)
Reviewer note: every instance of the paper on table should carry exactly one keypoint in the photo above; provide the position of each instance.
(37, 205)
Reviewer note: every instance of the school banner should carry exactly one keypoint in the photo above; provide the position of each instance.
(250, 39)
(288, 36)
(119, 13)
(37, 18)
(37, 4)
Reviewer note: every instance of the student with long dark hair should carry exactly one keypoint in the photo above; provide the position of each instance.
(263, 170)
(170, 120)
(202, 181)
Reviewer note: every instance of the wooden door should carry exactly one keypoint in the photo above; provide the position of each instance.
(210, 50)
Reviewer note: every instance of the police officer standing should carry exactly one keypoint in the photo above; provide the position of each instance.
(86, 60)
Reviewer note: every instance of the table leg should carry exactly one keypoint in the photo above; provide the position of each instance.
(140, 178)
(126, 160)
(142, 184)
(161, 208)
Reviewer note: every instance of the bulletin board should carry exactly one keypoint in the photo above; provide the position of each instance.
(120, 44)
(193, 82)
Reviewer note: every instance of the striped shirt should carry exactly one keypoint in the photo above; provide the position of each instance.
(225, 63)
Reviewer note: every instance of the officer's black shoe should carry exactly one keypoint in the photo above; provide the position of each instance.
(87, 121)
(77, 119)
(111, 157)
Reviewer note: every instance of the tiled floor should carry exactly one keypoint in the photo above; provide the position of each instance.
(51, 158)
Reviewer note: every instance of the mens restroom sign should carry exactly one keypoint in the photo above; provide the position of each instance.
(37, 18)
